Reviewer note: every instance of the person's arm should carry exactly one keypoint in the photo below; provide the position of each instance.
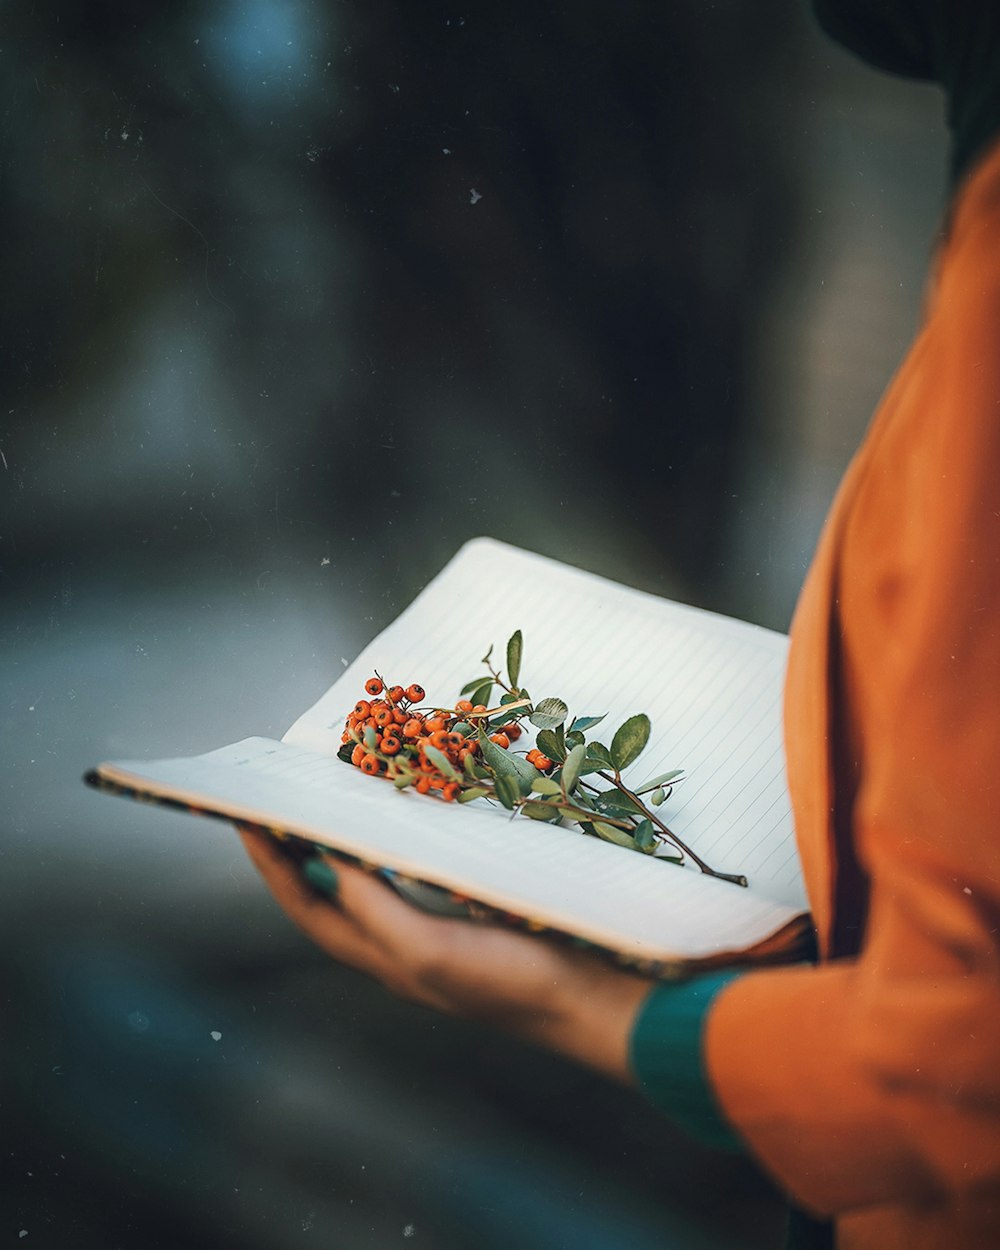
(569, 1001)
(572, 1002)
(875, 1080)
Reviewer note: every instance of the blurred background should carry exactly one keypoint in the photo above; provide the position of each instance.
(298, 296)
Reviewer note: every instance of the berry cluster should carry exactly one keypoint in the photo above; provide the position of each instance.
(465, 753)
(431, 748)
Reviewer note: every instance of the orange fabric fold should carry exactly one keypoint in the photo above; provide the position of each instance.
(870, 1086)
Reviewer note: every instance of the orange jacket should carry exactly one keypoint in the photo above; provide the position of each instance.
(870, 1085)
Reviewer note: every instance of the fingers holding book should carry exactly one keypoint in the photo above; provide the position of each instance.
(571, 1001)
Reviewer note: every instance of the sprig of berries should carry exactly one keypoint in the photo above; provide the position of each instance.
(466, 752)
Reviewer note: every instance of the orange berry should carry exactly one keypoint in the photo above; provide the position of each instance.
(450, 791)
(370, 764)
(436, 722)
(383, 717)
(480, 707)
(542, 762)
(345, 738)
(463, 705)
(423, 785)
(374, 685)
(390, 745)
(415, 693)
(399, 716)
(362, 708)
(513, 731)
(439, 739)
(396, 694)
(455, 741)
(413, 728)
(501, 740)
(358, 754)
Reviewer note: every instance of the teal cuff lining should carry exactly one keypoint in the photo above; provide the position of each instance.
(667, 1054)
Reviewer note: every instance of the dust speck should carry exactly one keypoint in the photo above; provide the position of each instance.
(215, 1035)
(474, 196)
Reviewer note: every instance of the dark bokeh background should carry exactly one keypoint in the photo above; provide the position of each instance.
(297, 297)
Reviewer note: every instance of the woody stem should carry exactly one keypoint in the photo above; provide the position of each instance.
(616, 781)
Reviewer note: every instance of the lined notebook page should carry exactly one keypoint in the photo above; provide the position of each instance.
(614, 897)
(712, 687)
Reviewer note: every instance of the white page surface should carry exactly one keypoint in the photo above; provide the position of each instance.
(614, 897)
(712, 687)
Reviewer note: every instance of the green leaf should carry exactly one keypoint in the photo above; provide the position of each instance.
(469, 766)
(346, 751)
(600, 754)
(481, 693)
(658, 796)
(508, 790)
(571, 813)
(616, 804)
(571, 769)
(514, 647)
(473, 792)
(548, 744)
(371, 738)
(486, 657)
(645, 838)
(471, 685)
(590, 766)
(582, 723)
(510, 697)
(610, 834)
(662, 780)
(629, 741)
(462, 727)
(545, 785)
(442, 762)
(403, 780)
(549, 713)
(503, 764)
(540, 811)
(574, 738)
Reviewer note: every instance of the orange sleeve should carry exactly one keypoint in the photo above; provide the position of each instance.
(874, 1081)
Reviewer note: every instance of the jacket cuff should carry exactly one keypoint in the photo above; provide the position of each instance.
(666, 1051)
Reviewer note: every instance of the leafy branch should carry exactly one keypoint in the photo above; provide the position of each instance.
(467, 752)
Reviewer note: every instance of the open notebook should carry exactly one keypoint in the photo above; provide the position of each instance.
(711, 687)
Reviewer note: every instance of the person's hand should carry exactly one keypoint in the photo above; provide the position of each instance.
(571, 1001)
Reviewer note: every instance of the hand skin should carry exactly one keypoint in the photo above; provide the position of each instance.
(569, 1001)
